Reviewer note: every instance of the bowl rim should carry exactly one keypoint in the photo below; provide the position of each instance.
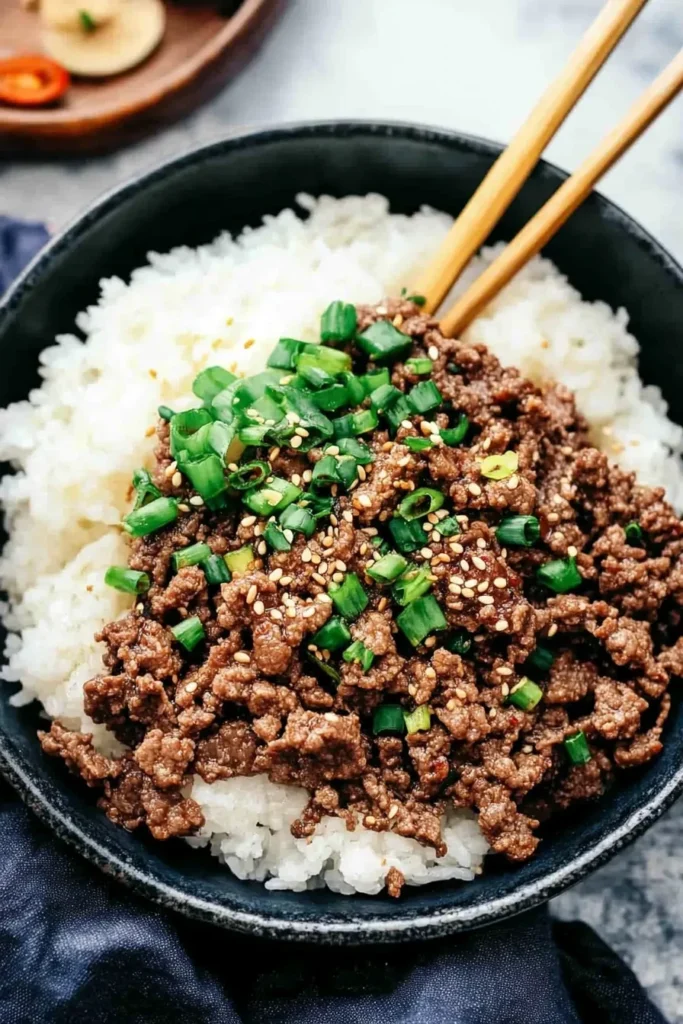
(400, 928)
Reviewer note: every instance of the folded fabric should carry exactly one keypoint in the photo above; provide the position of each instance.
(75, 946)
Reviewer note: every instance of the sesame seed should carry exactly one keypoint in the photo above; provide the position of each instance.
(467, 592)
(139, 608)
(479, 562)
(291, 611)
(276, 614)
(325, 598)
(433, 352)
(566, 449)
(319, 579)
(457, 548)
(474, 489)
(296, 441)
(486, 444)
(471, 583)
(571, 551)
(512, 483)
(427, 553)
(504, 689)
(289, 534)
(196, 500)
(459, 692)
(553, 629)
(347, 516)
(502, 625)
(308, 612)
(504, 671)
(262, 548)
(430, 673)
(276, 575)
(404, 461)
(315, 558)
(370, 820)
(430, 641)
(483, 586)
(393, 811)
(296, 479)
(259, 607)
(191, 687)
(552, 517)
(182, 507)
(383, 602)
(361, 472)
(306, 555)
(258, 530)
(338, 577)
(427, 527)
(332, 449)
(248, 521)
(412, 689)
(323, 567)
(273, 454)
(455, 589)
(285, 581)
(171, 468)
(558, 500)
(527, 748)
(328, 542)
(465, 565)
(500, 582)
(451, 705)
(252, 593)
(486, 599)
(307, 476)
(177, 479)
(364, 500)
(242, 657)
(492, 713)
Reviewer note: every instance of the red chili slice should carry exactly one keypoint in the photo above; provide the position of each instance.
(32, 81)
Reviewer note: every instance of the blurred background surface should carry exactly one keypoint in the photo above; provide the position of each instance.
(477, 66)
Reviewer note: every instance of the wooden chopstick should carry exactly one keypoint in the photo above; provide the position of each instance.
(515, 164)
(541, 228)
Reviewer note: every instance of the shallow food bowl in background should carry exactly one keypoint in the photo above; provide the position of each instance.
(226, 186)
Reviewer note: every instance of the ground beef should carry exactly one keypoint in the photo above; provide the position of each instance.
(258, 695)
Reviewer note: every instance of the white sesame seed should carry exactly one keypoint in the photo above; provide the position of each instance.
(319, 579)
(474, 489)
(427, 553)
(258, 530)
(262, 548)
(479, 562)
(196, 500)
(500, 582)
(307, 476)
(332, 449)
(347, 516)
(171, 468)
(296, 441)
(527, 748)
(252, 593)
(430, 641)
(248, 521)
(504, 671)
(364, 500)
(285, 581)
(259, 607)
(275, 613)
(328, 542)
(486, 444)
(471, 583)
(182, 507)
(483, 586)
(291, 611)
(467, 592)
(486, 599)
(289, 534)
(308, 612)
(553, 629)
(502, 625)
(433, 352)
(276, 575)
(296, 479)
(512, 483)
(492, 713)
(558, 500)
(465, 565)
(552, 517)
(459, 692)
(325, 598)
(177, 479)
(338, 577)
(457, 548)
(428, 527)
(191, 687)
(393, 811)
(571, 551)
(306, 555)
(242, 657)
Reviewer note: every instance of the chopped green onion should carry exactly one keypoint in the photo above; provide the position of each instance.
(525, 695)
(318, 505)
(240, 561)
(499, 467)
(330, 359)
(165, 412)
(298, 519)
(325, 472)
(315, 377)
(383, 343)
(130, 581)
(88, 23)
(388, 718)
(347, 470)
(206, 475)
(452, 436)
(419, 300)
(417, 444)
(522, 531)
(300, 412)
(348, 597)
(419, 720)
(275, 538)
(421, 618)
(151, 517)
(189, 632)
(560, 575)
(191, 555)
(420, 503)
(327, 670)
(419, 365)
(333, 635)
(343, 427)
(408, 535)
(448, 527)
(388, 568)
(250, 393)
(425, 396)
(384, 397)
(184, 425)
(209, 382)
(215, 570)
(459, 642)
(398, 412)
(364, 421)
(360, 451)
(577, 748)
(253, 436)
(412, 584)
(332, 398)
(541, 658)
(359, 652)
(145, 490)
(250, 475)
(222, 406)
(338, 322)
(273, 497)
(354, 386)
(382, 546)
(224, 440)
(634, 533)
(374, 379)
(284, 355)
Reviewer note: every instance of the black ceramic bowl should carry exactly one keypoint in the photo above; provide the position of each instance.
(228, 185)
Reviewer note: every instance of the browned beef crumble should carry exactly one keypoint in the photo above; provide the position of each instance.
(248, 700)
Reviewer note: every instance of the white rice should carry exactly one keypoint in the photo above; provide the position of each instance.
(77, 439)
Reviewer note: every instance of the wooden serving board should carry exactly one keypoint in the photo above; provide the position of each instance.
(198, 54)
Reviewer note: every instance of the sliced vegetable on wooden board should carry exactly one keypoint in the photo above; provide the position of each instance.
(96, 38)
(32, 81)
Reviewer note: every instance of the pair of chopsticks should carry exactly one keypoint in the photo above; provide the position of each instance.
(514, 165)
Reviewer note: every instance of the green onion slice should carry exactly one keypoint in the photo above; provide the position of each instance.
(151, 517)
(184, 425)
(205, 474)
(364, 421)
(419, 720)
(298, 519)
(165, 412)
(130, 581)
(417, 444)
(525, 695)
(336, 396)
(420, 618)
(384, 397)
(419, 300)
(333, 635)
(499, 467)
(412, 584)
(448, 527)
(634, 533)
(560, 575)
(359, 652)
(325, 472)
(145, 490)
(408, 535)
(522, 531)
(275, 538)
(388, 568)
(192, 555)
(329, 359)
(541, 658)
(349, 597)
(452, 436)
(577, 748)
(210, 381)
(215, 570)
(388, 718)
(189, 632)
(360, 451)
(383, 343)
(284, 355)
(459, 642)
(420, 503)
(425, 396)
(241, 560)
(419, 365)
(374, 379)
(250, 475)
(273, 497)
(338, 322)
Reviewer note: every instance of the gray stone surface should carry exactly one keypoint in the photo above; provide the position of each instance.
(481, 67)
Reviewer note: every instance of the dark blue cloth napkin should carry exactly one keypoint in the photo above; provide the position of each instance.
(76, 947)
